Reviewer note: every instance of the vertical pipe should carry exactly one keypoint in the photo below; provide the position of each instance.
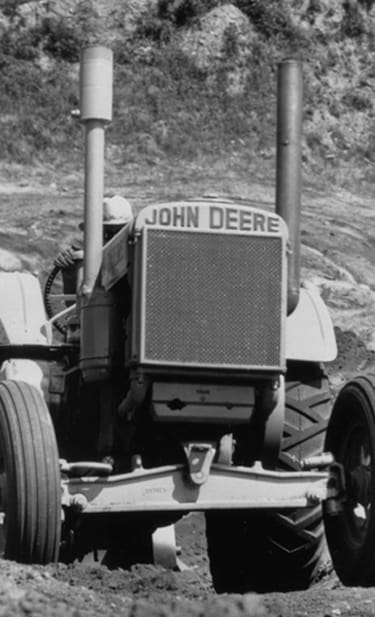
(96, 72)
(288, 171)
(95, 311)
(93, 203)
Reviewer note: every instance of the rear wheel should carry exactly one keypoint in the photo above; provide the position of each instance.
(295, 543)
(30, 498)
(283, 550)
(351, 439)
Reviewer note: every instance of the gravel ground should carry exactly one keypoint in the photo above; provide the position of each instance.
(81, 590)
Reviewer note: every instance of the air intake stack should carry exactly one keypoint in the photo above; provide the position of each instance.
(95, 113)
(96, 305)
(288, 174)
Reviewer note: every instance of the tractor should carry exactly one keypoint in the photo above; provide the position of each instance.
(185, 373)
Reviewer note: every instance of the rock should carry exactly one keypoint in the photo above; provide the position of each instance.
(126, 14)
(322, 15)
(117, 20)
(109, 19)
(4, 21)
(45, 62)
(31, 13)
(337, 381)
(222, 32)
(9, 262)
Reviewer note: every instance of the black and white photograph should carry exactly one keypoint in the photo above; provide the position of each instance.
(187, 308)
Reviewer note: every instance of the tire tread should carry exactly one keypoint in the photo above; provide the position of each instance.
(33, 478)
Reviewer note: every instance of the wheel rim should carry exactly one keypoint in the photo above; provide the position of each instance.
(356, 456)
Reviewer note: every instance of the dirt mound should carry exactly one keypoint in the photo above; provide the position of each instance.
(81, 590)
(353, 357)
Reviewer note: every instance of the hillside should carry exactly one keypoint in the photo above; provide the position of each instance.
(194, 84)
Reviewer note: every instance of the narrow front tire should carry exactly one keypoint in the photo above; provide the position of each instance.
(30, 499)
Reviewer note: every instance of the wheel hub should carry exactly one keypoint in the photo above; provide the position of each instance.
(359, 485)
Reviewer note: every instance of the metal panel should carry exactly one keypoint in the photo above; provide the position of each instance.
(115, 258)
(183, 402)
(212, 300)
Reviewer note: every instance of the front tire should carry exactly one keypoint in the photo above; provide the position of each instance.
(30, 477)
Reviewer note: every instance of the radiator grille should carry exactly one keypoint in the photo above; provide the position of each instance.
(211, 300)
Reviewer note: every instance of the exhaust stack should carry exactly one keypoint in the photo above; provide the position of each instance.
(288, 174)
(95, 305)
(96, 74)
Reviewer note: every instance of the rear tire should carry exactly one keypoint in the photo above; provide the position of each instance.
(30, 477)
(295, 542)
(283, 550)
(351, 439)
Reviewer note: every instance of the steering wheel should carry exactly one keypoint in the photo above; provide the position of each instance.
(49, 297)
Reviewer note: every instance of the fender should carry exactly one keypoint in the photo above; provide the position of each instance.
(310, 335)
(22, 316)
(22, 370)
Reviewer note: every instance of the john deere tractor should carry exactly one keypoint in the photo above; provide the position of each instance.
(184, 373)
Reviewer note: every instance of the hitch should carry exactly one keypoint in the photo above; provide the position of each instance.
(199, 457)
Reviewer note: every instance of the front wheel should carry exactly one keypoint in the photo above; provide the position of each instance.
(351, 439)
(30, 500)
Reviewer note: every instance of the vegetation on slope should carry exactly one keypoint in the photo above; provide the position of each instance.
(170, 108)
